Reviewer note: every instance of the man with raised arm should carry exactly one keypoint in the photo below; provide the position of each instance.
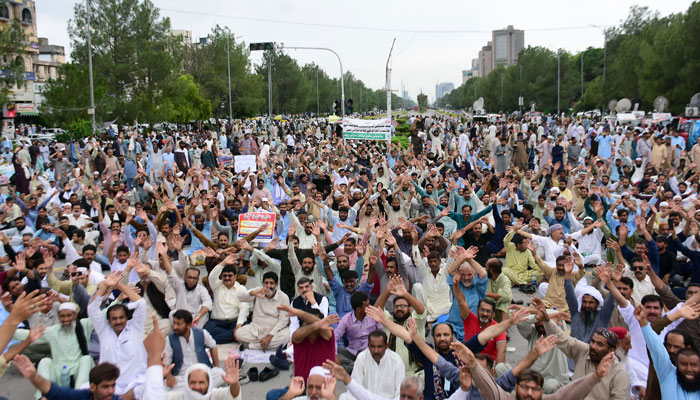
(121, 339)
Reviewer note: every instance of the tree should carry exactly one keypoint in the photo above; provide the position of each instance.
(208, 64)
(12, 44)
(133, 50)
(422, 102)
(183, 102)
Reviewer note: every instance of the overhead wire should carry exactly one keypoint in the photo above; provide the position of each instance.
(370, 28)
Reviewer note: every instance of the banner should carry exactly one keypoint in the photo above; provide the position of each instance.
(245, 162)
(367, 129)
(250, 222)
(225, 160)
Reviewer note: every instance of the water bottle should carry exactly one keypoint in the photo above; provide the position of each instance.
(534, 280)
(65, 377)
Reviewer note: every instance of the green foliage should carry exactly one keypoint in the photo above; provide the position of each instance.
(646, 56)
(12, 42)
(77, 129)
(183, 101)
(422, 102)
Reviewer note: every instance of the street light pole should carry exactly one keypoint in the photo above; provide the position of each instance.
(388, 82)
(318, 104)
(342, 79)
(89, 44)
(581, 74)
(228, 66)
(558, 79)
(269, 84)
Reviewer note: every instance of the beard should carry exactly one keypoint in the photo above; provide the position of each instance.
(396, 208)
(468, 284)
(68, 328)
(188, 288)
(400, 320)
(689, 385)
(589, 316)
(484, 320)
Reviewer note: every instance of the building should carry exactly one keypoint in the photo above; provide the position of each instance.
(443, 89)
(467, 74)
(185, 35)
(24, 12)
(507, 44)
(46, 67)
(485, 60)
(503, 49)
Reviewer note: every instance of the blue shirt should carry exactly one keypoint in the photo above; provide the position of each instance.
(473, 294)
(196, 243)
(665, 370)
(64, 393)
(342, 297)
(604, 150)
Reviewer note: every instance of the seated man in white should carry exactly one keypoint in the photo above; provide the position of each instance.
(270, 326)
(378, 369)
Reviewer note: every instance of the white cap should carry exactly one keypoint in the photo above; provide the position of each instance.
(664, 204)
(319, 371)
(82, 270)
(625, 194)
(67, 306)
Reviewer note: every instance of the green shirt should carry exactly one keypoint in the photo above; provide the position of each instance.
(65, 349)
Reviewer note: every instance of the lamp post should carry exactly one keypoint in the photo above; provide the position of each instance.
(342, 79)
(228, 66)
(91, 111)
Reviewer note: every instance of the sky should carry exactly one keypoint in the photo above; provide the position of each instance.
(435, 40)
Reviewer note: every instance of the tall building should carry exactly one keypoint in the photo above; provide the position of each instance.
(443, 89)
(485, 60)
(46, 67)
(24, 12)
(507, 44)
(467, 74)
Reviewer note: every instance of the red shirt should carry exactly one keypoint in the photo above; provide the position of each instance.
(472, 327)
(308, 355)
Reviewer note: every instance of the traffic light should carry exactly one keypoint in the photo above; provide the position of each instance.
(336, 106)
(348, 106)
(262, 46)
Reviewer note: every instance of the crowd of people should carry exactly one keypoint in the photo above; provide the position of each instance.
(390, 269)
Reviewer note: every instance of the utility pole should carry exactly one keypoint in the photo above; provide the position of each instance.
(605, 49)
(228, 65)
(520, 99)
(342, 78)
(318, 104)
(388, 82)
(91, 111)
(581, 74)
(558, 79)
(269, 83)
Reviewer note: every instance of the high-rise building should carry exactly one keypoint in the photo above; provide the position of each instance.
(467, 74)
(46, 67)
(443, 89)
(23, 12)
(485, 60)
(507, 44)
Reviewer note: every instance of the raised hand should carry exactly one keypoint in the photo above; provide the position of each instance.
(412, 327)
(25, 366)
(328, 388)
(463, 353)
(471, 252)
(375, 313)
(641, 314)
(296, 387)
(232, 368)
(337, 371)
(397, 288)
(604, 365)
(113, 279)
(545, 344)
(36, 332)
(690, 311)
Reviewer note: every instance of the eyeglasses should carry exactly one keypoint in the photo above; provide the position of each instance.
(227, 275)
(638, 268)
(485, 311)
(527, 388)
(401, 306)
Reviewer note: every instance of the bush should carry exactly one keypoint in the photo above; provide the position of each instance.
(77, 129)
